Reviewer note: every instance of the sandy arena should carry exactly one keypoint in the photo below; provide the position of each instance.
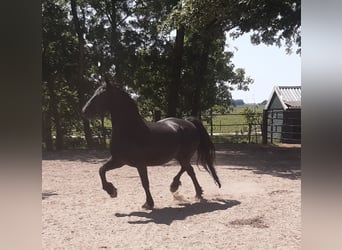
(258, 206)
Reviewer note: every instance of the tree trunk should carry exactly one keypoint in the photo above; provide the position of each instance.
(103, 130)
(114, 41)
(200, 77)
(53, 110)
(47, 131)
(88, 133)
(249, 132)
(174, 85)
(156, 115)
(211, 122)
(80, 79)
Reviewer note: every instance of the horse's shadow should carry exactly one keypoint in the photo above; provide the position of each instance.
(169, 214)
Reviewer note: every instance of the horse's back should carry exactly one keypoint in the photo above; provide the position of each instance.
(178, 128)
(187, 134)
(177, 124)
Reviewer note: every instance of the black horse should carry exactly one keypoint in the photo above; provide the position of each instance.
(138, 143)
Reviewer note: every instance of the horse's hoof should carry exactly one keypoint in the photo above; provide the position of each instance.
(111, 190)
(174, 187)
(147, 206)
(114, 194)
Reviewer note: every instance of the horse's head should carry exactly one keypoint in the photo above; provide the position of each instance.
(99, 102)
(110, 98)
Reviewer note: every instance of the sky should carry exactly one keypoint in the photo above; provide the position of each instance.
(266, 65)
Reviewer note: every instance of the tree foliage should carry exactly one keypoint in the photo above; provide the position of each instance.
(273, 22)
(170, 55)
(252, 119)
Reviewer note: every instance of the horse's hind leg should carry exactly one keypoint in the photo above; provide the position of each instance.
(176, 181)
(107, 186)
(149, 204)
(191, 173)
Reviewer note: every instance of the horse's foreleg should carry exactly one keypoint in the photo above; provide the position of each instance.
(108, 186)
(149, 204)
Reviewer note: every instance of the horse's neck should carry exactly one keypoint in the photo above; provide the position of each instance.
(128, 122)
(126, 119)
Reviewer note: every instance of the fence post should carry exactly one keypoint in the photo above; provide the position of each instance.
(264, 127)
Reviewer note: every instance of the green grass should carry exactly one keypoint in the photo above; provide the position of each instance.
(232, 123)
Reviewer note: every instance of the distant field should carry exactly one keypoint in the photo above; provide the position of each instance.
(232, 123)
(239, 109)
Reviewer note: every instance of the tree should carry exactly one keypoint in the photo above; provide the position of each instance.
(252, 118)
(175, 81)
(170, 65)
(209, 74)
(273, 22)
(80, 82)
(57, 49)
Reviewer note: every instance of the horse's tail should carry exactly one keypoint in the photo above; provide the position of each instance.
(205, 150)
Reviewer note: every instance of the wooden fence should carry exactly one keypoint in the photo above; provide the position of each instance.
(234, 127)
(273, 127)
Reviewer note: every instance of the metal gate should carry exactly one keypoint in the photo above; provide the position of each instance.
(281, 126)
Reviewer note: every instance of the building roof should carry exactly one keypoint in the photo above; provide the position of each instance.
(289, 96)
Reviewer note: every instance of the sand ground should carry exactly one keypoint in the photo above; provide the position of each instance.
(258, 206)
